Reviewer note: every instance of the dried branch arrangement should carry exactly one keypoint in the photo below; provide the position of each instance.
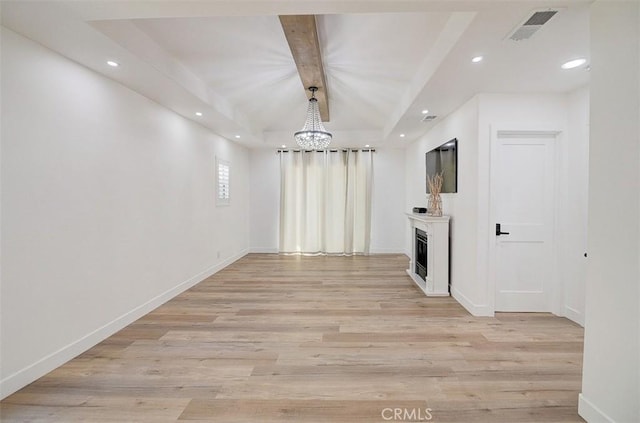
(434, 207)
(435, 183)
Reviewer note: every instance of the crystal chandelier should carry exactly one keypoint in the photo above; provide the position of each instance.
(313, 136)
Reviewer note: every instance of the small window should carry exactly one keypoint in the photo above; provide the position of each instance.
(223, 175)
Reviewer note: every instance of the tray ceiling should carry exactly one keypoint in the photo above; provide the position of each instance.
(384, 62)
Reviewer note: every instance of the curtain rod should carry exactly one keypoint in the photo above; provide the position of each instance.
(332, 150)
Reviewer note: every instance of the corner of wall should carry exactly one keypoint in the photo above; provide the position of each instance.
(477, 310)
(574, 315)
(23, 377)
(588, 411)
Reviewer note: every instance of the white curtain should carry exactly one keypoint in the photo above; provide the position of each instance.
(325, 201)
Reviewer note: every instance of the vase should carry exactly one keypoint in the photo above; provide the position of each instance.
(434, 206)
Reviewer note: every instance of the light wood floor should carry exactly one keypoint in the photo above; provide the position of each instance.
(316, 339)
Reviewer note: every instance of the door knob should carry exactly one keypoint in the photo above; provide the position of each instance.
(499, 232)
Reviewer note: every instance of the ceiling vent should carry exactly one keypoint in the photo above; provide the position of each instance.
(531, 25)
(429, 118)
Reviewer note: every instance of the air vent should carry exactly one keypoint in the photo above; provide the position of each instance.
(540, 18)
(531, 25)
(429, 118)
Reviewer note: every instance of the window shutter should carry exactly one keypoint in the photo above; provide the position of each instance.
(223, 182)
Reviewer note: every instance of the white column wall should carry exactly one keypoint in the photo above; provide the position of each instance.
(611, 369)
(387, 201)
(574, 195)
(265, 201)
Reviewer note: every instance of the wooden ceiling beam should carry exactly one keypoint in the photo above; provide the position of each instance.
(302, 35)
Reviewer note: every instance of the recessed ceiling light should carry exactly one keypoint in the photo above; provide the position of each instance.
(401, 135)
(367, 145)
(425, 111)
(113, 64)
(477, 59)
(574, 63)
(198, 113)
(237, 136)
(284, 146)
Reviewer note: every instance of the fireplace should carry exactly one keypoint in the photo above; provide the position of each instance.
(429, 261)
(421, 254)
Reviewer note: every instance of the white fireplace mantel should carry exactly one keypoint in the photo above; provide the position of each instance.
(436, 283)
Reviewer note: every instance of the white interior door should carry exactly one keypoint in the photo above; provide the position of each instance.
(523, 203)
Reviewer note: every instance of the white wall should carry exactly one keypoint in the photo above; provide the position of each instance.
(108, 208)
(473, 124)
(574, 195)
(265, 201)
(387, 203)
(611, 369)
(461, 206)
(387, 214)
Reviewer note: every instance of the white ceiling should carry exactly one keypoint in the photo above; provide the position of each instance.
(385, 60)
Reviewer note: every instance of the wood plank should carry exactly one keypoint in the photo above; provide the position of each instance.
(307, 339)
(334, 411)
(302, 35)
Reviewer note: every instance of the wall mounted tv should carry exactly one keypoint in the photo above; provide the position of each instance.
(444, 159)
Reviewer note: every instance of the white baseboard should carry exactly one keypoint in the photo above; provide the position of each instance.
(574, 315)
(386, 251)
(32, 372)
(474, 309)
(267, 250)
(588, 411)
(259, 250)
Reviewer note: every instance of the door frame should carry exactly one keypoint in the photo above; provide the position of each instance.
(556, 135)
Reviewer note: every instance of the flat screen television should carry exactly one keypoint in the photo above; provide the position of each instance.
(444, 159)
